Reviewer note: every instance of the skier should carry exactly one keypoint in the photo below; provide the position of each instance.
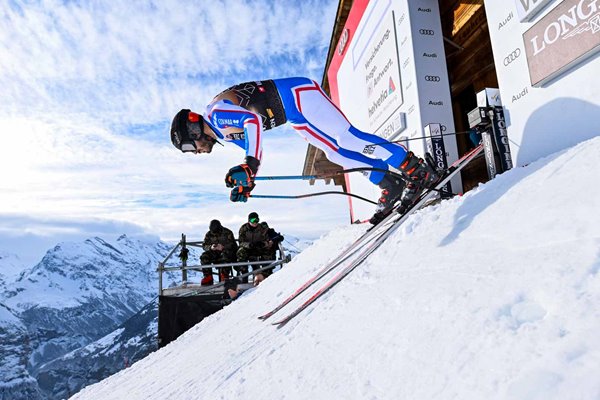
(241, 113)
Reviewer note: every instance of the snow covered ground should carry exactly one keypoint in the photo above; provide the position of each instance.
(495, 295)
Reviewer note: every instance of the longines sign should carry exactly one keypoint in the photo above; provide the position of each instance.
(562, 38)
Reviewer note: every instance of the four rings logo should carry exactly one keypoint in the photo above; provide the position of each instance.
(428, 32)
(512, 57)
(432, 78)
(343, 41)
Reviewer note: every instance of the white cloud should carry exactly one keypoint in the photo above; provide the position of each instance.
(89, 89)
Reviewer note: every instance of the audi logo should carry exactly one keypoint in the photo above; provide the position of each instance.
(427, 32)
(432, 78)
(343, 41)
(512, 56)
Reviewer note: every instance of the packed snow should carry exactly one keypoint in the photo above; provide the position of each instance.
(493, 295)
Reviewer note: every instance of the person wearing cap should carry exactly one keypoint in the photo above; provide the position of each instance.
(242, 114)
(255, 245)
(219, 247)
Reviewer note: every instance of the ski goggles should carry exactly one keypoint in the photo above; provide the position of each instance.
(187, 127)
(253, 220)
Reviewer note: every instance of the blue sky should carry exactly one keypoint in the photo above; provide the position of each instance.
(88, 92)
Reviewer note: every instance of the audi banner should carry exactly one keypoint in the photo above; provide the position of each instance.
(389, 77)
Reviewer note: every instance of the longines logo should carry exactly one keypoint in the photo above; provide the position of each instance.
(432, 78)
(516, 53)
(405, 63)
(568, 25)
(426, 32)
(562, 38)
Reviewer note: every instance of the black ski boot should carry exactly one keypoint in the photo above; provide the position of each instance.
(421, 176)
(391, 191)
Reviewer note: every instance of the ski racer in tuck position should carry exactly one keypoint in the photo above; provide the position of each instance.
(241, 114)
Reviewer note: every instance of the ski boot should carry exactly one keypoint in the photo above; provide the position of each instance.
(420, 176)
(391, 191)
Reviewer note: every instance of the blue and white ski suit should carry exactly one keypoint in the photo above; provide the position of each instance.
(243, 112)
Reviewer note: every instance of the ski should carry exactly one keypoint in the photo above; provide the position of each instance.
(345, 255)
(451, 172)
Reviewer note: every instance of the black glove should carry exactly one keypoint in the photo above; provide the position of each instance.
(243, 174)
(240, 193)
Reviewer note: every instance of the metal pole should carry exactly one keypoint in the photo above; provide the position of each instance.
(183, 261)
(301, 196)
(161, 267)
(288, 177)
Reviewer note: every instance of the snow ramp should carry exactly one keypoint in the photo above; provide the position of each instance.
(493, 295)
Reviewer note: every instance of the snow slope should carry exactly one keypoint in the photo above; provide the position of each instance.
(494, 295)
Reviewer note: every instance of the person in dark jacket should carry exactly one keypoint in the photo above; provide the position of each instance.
(219, 247)
(255, 244)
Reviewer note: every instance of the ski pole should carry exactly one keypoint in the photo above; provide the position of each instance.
(288, 177)
(302, 196)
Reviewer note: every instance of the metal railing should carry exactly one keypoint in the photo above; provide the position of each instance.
(184, 268)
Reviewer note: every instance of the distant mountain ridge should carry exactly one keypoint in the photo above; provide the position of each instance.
(78, 293)
(85, 311)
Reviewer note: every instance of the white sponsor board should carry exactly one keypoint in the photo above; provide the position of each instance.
(393, 81)
(527, 9)
(563, 108)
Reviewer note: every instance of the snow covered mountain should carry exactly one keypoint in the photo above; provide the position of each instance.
(86, 311)
(77, 294)
(10, 268)
(493, 295)
(130, 342)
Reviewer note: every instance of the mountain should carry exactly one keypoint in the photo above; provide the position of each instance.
(130, 342)
(78, 293)
(10, 268)
(17, 383)
(492, 295)
(85, 312)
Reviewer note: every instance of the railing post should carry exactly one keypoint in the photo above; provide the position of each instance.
(161, 267)
(184, 257)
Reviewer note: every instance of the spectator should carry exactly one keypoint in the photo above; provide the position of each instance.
(255, 244)
(231, 290)
(219, 248)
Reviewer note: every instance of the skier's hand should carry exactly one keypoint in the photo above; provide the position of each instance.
(240, 193)
(240, 175)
